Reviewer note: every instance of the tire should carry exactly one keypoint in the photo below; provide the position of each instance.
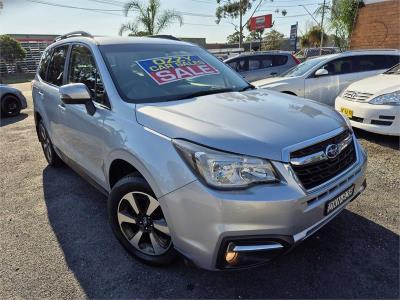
(10, 106)
(137, 221)
(48, 150)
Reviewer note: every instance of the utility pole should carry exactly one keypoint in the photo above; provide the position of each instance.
(322, 29)
(240, 24)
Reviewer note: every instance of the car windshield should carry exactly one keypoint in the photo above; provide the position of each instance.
(156, 73)
(301, 69)
(394, 70)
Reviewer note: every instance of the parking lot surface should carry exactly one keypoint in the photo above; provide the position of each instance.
(55, 240)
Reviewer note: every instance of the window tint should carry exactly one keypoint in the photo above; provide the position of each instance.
(44, 63)
(340, 66)
(254, 63)
(374, 62)
(280, 60)
(239, 64)
(83, 70)
(56, 68)
(393, 60)
(266, 61)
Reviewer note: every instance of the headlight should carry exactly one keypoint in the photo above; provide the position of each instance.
(224, 170)
(391, 99)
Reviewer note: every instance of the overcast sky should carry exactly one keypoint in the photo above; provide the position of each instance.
(30, 16)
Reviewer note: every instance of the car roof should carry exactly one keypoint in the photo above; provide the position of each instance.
(102, 40)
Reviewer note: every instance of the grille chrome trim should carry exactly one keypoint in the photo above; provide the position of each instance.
(319, 156)
(356, 96)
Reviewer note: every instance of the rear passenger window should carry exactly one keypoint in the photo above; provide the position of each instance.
(55, 74)
(375, 62)
(266, 61)
(44, 63)
(83, 70)
(239, 65)
(254, 64)
(280, 60)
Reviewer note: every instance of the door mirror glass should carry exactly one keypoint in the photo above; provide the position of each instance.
(77, 93)
(321, 72)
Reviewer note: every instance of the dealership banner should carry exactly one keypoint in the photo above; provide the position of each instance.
(261, 22)
(173, 68)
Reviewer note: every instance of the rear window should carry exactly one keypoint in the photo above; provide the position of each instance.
(280, 60)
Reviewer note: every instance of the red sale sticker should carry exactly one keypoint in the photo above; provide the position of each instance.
(173, 68)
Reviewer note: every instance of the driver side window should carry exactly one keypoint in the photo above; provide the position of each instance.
(83, 69)
(340, 66)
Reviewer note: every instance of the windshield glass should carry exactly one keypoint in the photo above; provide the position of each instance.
(394, 70)
(302, 68)
(156, 73)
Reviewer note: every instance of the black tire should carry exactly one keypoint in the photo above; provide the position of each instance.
(132, 184)
(10, 106)
(47, 146)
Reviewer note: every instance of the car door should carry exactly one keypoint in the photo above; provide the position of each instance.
(325, 88)
(46, 91)
(83, 133)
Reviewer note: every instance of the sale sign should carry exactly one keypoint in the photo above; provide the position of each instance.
(173, 68)
(260, 22)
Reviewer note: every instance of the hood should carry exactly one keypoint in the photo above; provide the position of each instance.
(379, 84)
(272, 80)
(258, 123)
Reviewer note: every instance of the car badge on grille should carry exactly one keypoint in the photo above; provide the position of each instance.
(353, 95)
(332, 150)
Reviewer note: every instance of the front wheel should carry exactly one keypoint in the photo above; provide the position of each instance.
(10, 106)
(138, 222)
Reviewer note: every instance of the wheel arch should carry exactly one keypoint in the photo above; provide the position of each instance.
(122, 163)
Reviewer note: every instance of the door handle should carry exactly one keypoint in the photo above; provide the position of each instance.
(40, 93)
(61, 107)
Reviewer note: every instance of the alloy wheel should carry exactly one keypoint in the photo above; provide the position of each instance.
(143, 224)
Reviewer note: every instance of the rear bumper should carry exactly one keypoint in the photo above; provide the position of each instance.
(381, 119)
(204, 221)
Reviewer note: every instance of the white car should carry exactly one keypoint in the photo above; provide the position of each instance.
(323, 78)
(373, 104)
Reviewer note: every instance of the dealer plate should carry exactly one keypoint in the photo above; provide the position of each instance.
(347, 111)
(333, 204)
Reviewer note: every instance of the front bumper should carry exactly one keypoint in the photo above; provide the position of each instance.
(202, 220)
(381, 119)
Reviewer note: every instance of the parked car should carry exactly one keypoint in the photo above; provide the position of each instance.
(12, 101)
(259, 65)
(373, 104)
(193, 159)
(323, 78)
(308, 53)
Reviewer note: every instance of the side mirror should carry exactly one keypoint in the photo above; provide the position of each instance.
(321, 72)
(77, 93)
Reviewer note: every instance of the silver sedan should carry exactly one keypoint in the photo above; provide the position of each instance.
(12, 101)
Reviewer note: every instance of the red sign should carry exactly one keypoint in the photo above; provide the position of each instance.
(261, 22)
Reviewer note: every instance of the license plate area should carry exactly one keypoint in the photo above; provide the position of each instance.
(347, 111)
(334, 203)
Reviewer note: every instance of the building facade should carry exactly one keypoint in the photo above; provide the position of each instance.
(377, 25)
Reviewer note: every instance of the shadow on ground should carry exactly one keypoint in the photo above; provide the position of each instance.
(350, 257)
(383, 140)
(12, 120)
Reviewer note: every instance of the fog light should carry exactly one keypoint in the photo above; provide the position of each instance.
(231, 257)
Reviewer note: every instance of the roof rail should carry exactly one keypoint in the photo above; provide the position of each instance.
(71, 34)
(164, 36)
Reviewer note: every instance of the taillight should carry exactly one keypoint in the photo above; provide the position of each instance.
(295, 59)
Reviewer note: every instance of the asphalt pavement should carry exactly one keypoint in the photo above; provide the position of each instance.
(55, 241)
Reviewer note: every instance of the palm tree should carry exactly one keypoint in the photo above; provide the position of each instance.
(149, 17)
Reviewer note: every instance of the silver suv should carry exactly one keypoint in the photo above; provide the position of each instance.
(194, 160)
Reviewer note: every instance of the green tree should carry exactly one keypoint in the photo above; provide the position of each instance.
(10, 49)
(341, 17)
(312, 38)
(273, 40)
(233, 38)
(150, 18)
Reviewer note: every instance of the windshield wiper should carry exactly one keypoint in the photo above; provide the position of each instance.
(204, 93)
(249, 87)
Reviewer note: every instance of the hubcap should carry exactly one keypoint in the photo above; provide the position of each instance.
(11, 106)
(143, 224)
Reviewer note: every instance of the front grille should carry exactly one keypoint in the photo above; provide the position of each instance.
(356, 96)
(313, 175)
